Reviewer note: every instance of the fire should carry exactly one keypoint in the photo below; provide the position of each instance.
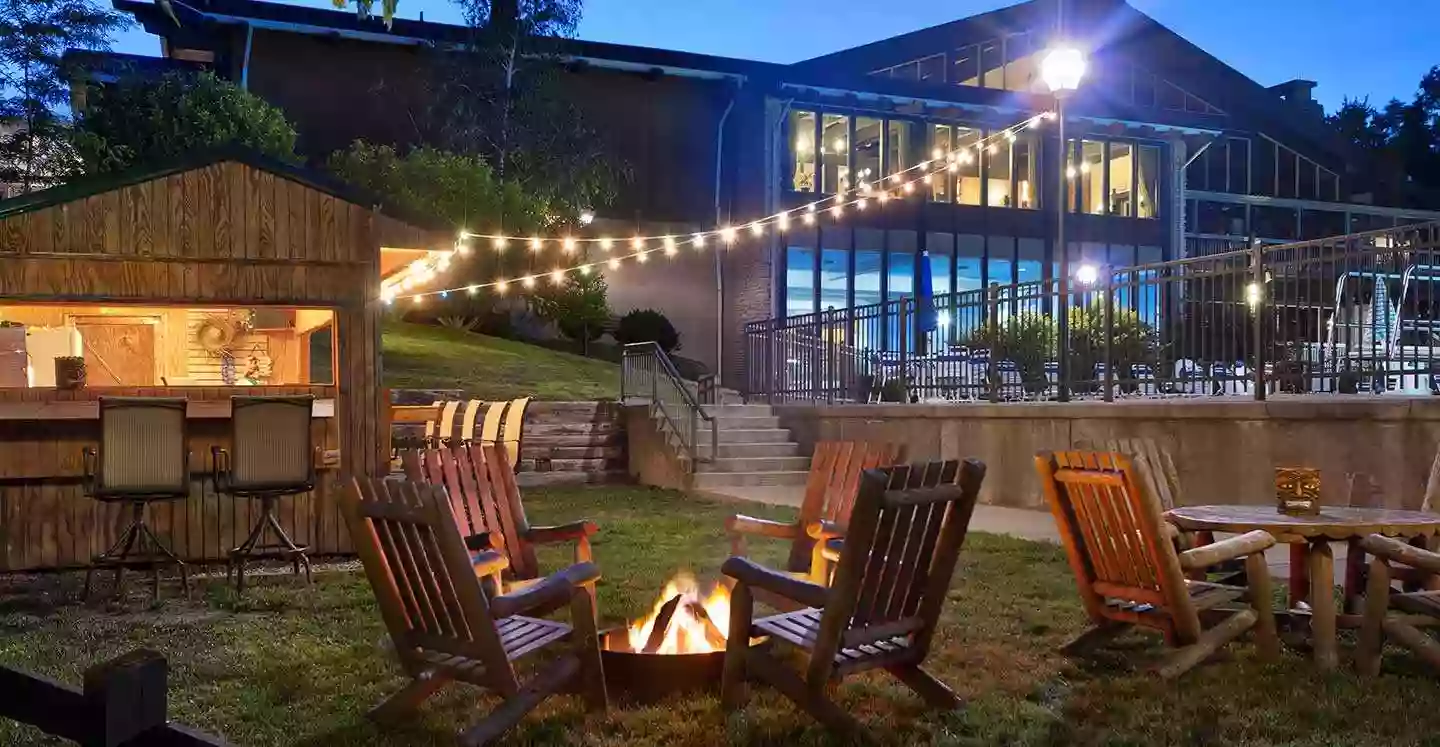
(697, 625)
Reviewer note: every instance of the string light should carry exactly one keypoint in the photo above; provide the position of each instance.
(557, 276)
(904, 181)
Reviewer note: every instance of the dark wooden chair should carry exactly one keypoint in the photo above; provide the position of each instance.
(882, 609)
(271, 455)
(830, 491)
(486, 505)
(1415, 608)
(1362, 491)
(1129, 573)
(143, 457)
(447, 628)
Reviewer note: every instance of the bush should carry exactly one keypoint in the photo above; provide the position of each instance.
(647, 325)
(578, 308)
(1132, 340)
(1027, 338)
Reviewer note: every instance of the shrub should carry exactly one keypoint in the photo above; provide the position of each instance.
(1027, 338)
(647, 325)
(578, 308)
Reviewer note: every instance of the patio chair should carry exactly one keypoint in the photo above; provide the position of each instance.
(1416, 607)
(271, 455)
(444, 625)
(486, 507)
(143, 458)
(830, 491)
(1163, 477)
(881, 612)
(1362, 491)
(503, 424)
(1128, 574)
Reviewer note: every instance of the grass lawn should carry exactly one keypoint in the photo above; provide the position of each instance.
(290, 665)
(489, 368)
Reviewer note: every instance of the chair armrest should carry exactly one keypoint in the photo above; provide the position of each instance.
(554, 591)
(754, 574)
(742, 524)
(1229, 549)
(489, 563)
(485, 542)
(824, 530)
(1394, 550)
(575, 530)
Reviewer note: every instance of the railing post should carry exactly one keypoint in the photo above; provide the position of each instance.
(903, 329)
(1107, 347)
(1257, 312)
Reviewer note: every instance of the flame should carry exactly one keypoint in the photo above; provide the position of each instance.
(687, 633)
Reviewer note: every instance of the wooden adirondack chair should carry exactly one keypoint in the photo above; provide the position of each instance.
(1363, 491)
(486, 506)
(1416, 606)
(503, 424)
(446, 628)
(1128, 573)
(830, 492)
(882, 610)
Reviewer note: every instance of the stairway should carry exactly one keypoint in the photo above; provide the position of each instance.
(753, 451)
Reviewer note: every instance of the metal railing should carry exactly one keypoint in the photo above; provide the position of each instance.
(648, 374)
(1347, 314)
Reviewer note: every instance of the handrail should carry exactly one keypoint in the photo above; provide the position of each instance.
(684, 414)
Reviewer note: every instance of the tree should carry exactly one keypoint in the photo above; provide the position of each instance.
(579, 308)
(1401, 141)
(142, 120)
(363, 8)
(34, 35)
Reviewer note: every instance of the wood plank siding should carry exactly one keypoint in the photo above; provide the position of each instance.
(235, 232)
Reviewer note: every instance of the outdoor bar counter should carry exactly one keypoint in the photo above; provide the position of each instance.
(47, 522)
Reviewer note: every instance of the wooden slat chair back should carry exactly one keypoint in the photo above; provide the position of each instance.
(1128, 570)
(884, 606)
(503, 424)
(443, 624)
(1164, 479)
(1362, 490)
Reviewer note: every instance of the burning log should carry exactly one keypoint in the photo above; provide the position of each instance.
(662, 625)
(713, 634)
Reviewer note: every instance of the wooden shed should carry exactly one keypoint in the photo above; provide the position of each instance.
(228, 274)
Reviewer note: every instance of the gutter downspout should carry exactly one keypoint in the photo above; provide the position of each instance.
(719, 221)
(245, 63)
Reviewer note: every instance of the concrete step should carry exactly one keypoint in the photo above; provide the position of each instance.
(747, 422)
(756, 464)
(738, 411)
(742, 451)
(751, 436)
(707, 480)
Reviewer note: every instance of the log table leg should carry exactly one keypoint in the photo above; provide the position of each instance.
(1354, 576)
(1299, 573)
(1322, 604)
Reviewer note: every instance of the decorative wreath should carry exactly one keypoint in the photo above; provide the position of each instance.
(219, 332)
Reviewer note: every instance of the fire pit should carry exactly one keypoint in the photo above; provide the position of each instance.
(678, 647)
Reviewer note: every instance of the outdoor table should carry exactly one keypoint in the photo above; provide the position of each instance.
(1309, 538)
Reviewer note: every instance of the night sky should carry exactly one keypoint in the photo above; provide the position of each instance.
(1354, 48)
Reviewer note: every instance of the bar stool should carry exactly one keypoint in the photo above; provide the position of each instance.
(273, 456)
(143, 458)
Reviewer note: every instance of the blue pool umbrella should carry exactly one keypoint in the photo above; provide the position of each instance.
(926, 317)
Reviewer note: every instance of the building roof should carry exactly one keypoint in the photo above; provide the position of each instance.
(315, 179)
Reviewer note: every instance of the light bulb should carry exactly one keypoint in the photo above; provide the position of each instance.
(810, 208)
(569, 245)
(860, 204)
(669, 242)
(884, 197)
(463, 249)
(587, 217)
(839, 144)
(528, 281)
(418, 300)
(473, 289)
(500, 243)
(782, 223)
(992, 149)
(1010, 136)
(585, 270)
(1085, 167)
(757, 228)
(954, 167)
(727, 235)
(894, 178)
(614, 263)
(937, 154)
(809, 219)
(637, 243)
(607, 243)
(557, 277)
(535, 244)
(966, 158)
(501, 286)
(642, 257)
(910, 187)
(838, 210)
(698, 240)
(1069, 172)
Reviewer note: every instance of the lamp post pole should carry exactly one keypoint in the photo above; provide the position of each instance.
(1063, 323)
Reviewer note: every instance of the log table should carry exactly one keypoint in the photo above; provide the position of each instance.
(1309, 538)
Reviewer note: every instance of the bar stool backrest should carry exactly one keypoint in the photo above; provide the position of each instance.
(272, 447)
(144, 448)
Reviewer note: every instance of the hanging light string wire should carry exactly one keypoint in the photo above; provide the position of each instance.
(881, 191)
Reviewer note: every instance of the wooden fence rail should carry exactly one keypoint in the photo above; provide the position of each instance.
(122, 704)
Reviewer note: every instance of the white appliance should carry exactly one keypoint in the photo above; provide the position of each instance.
(44, 345)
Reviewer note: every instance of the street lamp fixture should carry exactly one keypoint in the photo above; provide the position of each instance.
(1087, 274)
(1062, 68)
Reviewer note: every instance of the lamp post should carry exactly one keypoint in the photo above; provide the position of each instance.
(1061, 69)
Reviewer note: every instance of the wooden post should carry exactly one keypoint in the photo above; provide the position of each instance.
(1322, 604)
(124, 697)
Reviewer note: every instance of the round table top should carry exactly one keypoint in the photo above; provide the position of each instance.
(1335, 522)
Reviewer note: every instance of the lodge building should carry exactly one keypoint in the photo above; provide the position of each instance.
(1170, 152)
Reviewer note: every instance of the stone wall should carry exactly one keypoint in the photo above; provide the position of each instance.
(1225, 451)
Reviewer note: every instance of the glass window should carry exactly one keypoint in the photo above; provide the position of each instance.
(900, 143)
(1000, 260)
(1122, 193)
(799, 280)
(902, 265)
(941, 248)
(1092, 177)
(969, 257)
(1239, 166)
(932, 69)
(1195, 171)
(967, 166)
(1027, 189)
(835, 154)
(834, 270)
(869, 243)
(866, 160)
(965, 70)
(1072, 175)
(1030, 260)
(997, 173)
(1020, 65)
(908, 71)
(802, 139)
(1147, 188)
(992, 64)
(940, 145)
